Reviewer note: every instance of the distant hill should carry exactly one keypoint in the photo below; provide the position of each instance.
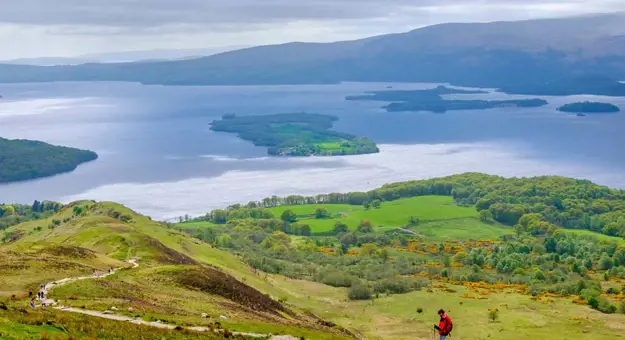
(550, 56)
(25, 159)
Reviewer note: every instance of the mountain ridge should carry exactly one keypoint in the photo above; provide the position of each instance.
(539, 57)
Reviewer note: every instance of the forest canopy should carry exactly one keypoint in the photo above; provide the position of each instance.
(25, 159)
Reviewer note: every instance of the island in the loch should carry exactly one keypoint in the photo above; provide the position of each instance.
(432, 100)
(582, 108)
(295, 134)
(22, 160)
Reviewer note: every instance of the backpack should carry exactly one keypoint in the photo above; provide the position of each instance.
(449, 325)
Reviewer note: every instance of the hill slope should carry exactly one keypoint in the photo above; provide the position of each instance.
(178, 279)
(553, 56)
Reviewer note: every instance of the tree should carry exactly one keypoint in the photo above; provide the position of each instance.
(9, 210)
(619, 257)
(383, 254)
(551, 244)
(288, 216)
(365, 226)
(486, 216)
(605, 263)
(539, 275)
(340, 227)
(349, 239)
(366, 205)
(321, 213)
(306, 231)
(376, 204)
(219, 216)
(36, 206)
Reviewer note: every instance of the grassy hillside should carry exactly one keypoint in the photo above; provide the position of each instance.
(251, 269)
(179, 278)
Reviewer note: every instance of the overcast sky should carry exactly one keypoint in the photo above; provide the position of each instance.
(35, 28)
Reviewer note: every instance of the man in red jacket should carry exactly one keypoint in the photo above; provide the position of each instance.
(444, 326)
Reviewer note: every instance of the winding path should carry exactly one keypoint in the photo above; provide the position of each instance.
(410, 232)
(109, 314)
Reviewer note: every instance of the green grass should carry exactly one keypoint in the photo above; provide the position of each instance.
(196, 225)
(452, 219)
(600, 237)
(395, 317)
(461, 229)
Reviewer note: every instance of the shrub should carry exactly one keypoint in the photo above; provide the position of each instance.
(321, 213)
(604, 306)
(359, 291)
(397, 285)
(493, 314)
(420, 310)
(334, 278)
(623, 306)
(612, 290)
(365, 226)
(593, 302)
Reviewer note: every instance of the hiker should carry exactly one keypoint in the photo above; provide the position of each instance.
(30, 293)
(32, 303)
(444, 326)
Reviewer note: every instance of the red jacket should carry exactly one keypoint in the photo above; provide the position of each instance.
(444, 325)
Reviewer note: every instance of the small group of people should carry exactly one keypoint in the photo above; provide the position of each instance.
(41, 296)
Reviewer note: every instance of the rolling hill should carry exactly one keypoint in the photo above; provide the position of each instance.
(393, 257)
(177, 279)
(549, 56)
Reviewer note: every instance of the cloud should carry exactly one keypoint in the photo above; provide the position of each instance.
(71, 27)
(159, 13)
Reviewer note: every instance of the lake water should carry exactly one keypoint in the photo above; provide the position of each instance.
(158, 156)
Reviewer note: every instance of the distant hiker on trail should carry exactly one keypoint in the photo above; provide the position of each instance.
(32, 303)
(30, 293)
(444, 326)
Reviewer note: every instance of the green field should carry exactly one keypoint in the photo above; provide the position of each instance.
(439, 216)
(197, 225)
(600, 237)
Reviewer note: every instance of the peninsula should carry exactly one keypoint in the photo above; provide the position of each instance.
(295, 134)
(22, 160)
